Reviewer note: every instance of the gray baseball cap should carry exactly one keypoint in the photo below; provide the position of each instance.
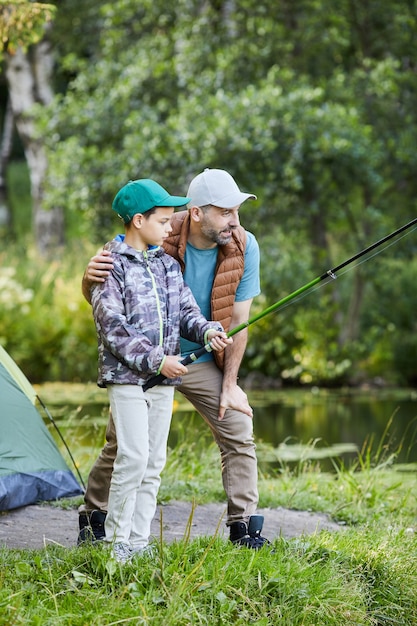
(216, 187)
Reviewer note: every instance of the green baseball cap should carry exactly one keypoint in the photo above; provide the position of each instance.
(139, 196)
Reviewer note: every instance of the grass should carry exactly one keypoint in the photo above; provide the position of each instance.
(351, 577)
(363, 575)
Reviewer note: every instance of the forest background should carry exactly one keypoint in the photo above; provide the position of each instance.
(309, 104)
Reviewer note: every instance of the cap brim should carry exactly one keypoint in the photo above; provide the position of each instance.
(233, 199)
(174, 201)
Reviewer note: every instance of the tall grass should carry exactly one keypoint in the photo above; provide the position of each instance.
(363, 575)
(358, 576)
(372, 488)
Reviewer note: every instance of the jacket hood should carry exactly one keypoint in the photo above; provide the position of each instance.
(120, 247)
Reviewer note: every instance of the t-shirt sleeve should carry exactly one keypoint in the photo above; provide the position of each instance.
(249, 286)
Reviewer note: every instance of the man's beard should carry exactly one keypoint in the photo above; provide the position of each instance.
(217, 237)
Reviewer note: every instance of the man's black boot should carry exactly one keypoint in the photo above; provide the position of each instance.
(91, 526)
(248, 535)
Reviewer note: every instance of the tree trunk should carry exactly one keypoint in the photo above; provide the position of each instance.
(5, 150)
(29, 81)
(361, 230)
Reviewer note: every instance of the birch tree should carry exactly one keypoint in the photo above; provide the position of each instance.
(28, 59)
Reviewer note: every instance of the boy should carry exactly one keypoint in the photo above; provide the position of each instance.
(140, 313)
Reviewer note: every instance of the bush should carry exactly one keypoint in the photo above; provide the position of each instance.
(45, 323)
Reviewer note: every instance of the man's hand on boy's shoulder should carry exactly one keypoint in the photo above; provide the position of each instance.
(97, 270)
(99, 267)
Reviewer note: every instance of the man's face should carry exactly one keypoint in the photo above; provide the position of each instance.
(218, 224)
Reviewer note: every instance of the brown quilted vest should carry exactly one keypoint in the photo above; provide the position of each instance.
(228, 273)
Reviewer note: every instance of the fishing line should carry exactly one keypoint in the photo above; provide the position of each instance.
(346, 270)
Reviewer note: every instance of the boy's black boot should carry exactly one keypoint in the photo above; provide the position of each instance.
(248, 535)
(91, 526)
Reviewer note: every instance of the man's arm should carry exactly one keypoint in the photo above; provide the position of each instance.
(232, 396)
(97, 270)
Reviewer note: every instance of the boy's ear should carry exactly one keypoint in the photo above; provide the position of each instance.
(137, 220)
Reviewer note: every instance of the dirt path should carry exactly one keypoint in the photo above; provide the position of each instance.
(36, 526)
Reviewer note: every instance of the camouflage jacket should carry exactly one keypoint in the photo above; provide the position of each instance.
(140, 311)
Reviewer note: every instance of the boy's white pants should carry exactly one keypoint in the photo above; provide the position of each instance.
(142, 422)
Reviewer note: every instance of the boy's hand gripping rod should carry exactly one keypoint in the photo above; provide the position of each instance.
(329, 274)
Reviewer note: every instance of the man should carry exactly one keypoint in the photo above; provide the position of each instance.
(220, 263)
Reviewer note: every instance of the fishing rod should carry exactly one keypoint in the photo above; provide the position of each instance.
(190, 358)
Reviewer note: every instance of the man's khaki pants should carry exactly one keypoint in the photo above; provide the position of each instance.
(233, 435)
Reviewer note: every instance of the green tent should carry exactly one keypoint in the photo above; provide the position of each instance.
(32, 468)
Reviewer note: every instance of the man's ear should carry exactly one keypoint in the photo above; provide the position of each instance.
(195, 213)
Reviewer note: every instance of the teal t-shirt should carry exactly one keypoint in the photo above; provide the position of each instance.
(200, 266)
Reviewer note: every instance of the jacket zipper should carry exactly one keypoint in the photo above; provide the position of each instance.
(158, 304)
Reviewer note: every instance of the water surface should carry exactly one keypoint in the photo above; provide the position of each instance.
(314, 423)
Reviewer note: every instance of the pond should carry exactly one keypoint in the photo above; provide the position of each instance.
(339, 423)
(290, 426)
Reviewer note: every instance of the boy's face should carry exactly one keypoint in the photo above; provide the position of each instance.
(157, 226)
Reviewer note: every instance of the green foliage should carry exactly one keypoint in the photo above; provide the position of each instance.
(393, 327)
(303, 342)
(318, 120)
(22, 23)
(309, 105)
(191, 87)
(19, 197)
(44, 321)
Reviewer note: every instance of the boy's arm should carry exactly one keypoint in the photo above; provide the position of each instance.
(172, 366)
(120, 337)
(97, 270)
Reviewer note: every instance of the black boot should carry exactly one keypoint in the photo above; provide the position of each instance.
(91, 526)
(248, 535)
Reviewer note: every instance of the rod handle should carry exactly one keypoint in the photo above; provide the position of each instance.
(190, 358)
